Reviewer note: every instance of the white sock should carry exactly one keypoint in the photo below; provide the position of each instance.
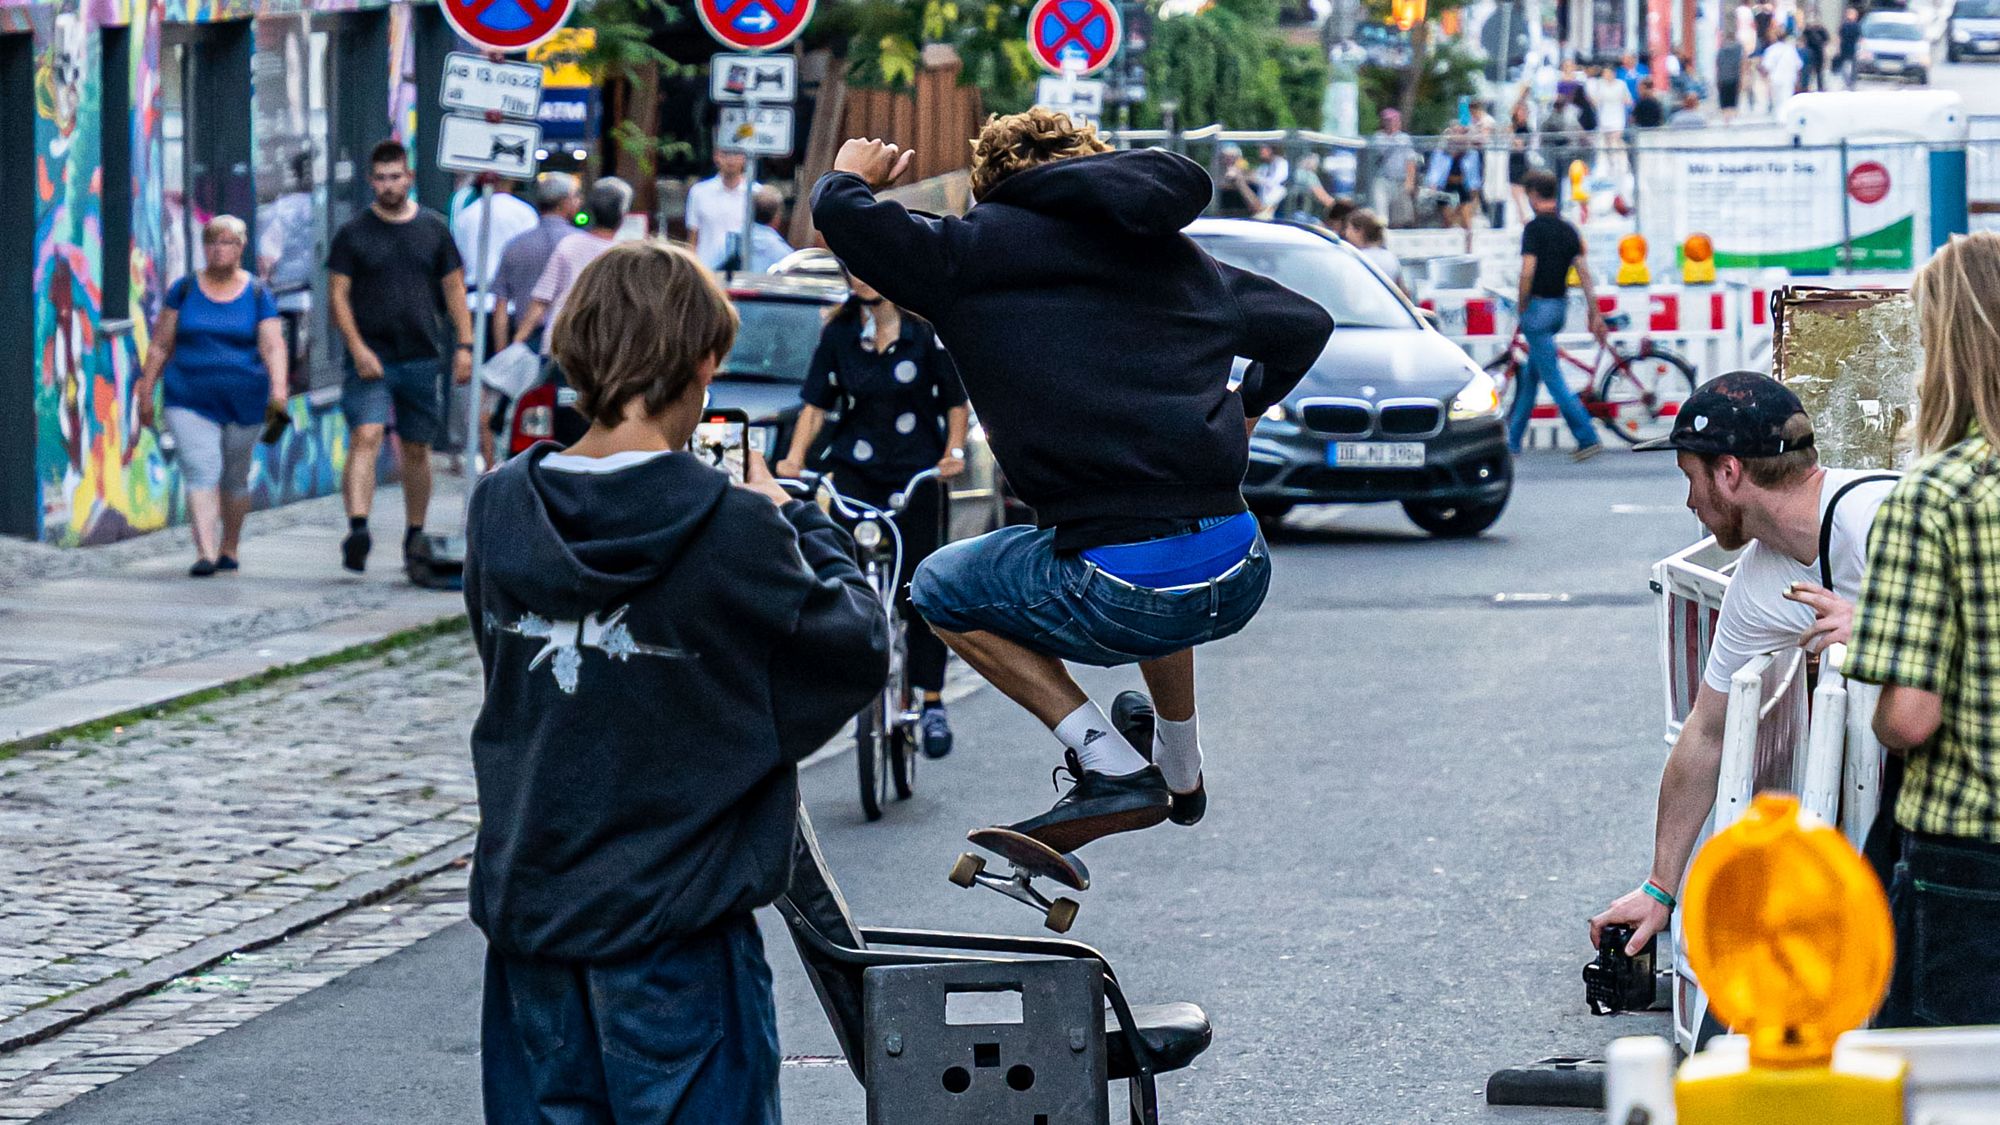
(1177, 751)
(1102, 749)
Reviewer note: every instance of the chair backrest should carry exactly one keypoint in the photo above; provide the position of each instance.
(813, 902)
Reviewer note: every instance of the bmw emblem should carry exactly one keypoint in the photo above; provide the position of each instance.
(1369, 391)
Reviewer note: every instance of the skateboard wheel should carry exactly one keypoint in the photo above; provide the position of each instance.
(1061, 915)
(966, 871)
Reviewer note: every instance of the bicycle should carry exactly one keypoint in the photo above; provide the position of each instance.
(1634, 394)
(885, 732)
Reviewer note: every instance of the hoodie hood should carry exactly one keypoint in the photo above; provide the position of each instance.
(1140, 191)
(581, 541)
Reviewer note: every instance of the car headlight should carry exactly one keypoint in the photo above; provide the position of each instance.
(868, 534)
(1274, 412)
(1479, 398)
(1960, 35)
(1865, 55)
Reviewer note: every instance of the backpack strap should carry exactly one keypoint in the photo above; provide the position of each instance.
(1826, 522)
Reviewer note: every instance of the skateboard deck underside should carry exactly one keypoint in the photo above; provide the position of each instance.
(1032, 856)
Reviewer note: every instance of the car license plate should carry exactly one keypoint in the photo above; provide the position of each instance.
(1889, 66)
(1376, 454)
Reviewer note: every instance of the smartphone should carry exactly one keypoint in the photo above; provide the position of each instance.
(722, 438)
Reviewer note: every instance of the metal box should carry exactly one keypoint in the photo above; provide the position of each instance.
(986, 1044)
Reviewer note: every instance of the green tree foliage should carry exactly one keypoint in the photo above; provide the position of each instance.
(1449, 73)
(883, 43)
(1228, 64)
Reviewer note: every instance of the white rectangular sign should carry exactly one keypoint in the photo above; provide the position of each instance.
(475, 85)
(762, 78)
(1081, 97)
(763, 131)
(474, 144)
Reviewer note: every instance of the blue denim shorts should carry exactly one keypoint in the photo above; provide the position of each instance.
(1012, 582)
(416, 389)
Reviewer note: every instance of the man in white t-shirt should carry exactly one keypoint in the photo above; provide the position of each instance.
(1755, 481)
(511, 217)
(716, 208)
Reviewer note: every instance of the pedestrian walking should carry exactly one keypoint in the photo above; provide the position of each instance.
(767, 244)
(220, 345)
(1271, 179)
(1520, 137)
(1849, 39)
(1393, 182)
(1457, 176)
(394, 280)
(716, 207)
(1814, 39)
(1922, 630)
(1746, 446)
(1144, 548)
(606, 201)
(1781, 64)
(512, 217)
(1729, 63)
(901, 410)
(558, 198)
(1550, 246)
(660, 649)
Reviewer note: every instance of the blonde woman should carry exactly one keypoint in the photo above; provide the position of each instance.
(1928, 630)
(220, 344)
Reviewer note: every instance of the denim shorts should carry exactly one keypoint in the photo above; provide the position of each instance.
(416, 389)
(1012, 582)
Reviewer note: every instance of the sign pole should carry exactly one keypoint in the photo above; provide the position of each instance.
(474, 417)
(749, 193)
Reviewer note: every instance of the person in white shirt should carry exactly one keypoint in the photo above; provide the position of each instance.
(1781, 64)
(1272, 179)
(716, 207)
(511, 216)
(1754, 479)
(1613, 99)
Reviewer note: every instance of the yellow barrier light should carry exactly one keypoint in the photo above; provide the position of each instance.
(1698, 260)
(1632, 268)
(1406, 14)
(1788, 931)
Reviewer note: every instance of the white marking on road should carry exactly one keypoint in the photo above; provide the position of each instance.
(1510, 599)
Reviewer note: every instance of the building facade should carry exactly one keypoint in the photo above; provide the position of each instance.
(129, 124)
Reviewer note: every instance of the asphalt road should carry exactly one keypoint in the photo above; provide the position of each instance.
(1418, 794)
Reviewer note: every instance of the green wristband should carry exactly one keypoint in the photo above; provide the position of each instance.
(1654, 892)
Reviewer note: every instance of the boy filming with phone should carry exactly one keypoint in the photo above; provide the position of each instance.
(1095, 341)
(660, 647)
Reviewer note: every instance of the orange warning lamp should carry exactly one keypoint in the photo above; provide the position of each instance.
(1698, 260)
(1577, 171)
(1788, 931)
(1406, 14)
(1632, 269)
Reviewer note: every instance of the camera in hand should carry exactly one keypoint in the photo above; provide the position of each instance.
(1616, 981)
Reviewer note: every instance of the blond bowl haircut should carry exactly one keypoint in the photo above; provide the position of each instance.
(222, 225)
(638, 324)
(1957, 296)
(1020, 141)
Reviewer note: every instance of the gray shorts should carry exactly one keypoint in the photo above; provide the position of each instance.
(414, 387)
(212, 455)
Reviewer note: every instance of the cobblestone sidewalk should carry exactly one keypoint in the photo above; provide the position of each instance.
(41, 1078)
(123, 850)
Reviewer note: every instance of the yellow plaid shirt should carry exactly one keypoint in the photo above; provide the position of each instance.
(1929, 619)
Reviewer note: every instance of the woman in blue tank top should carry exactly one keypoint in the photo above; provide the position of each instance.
(221, 346)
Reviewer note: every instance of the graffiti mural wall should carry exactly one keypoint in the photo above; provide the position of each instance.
(99, 474)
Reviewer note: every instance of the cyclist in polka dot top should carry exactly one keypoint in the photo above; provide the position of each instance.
(901, 411)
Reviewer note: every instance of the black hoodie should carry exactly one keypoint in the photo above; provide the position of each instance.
(1094, 338)
(660, 649)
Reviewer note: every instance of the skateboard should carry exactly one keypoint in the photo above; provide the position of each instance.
(1027, 860)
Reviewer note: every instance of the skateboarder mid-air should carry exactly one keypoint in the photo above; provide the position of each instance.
(1096, 342)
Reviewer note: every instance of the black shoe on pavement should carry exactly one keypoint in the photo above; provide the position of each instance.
(1132, 714)
(354, 550)
(1099, 804)
(226, 562)
(935, 731)
(202, 568)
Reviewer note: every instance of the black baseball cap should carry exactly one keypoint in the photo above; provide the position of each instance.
(1742, 414)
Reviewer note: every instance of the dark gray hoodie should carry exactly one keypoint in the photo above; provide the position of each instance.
(660, 649)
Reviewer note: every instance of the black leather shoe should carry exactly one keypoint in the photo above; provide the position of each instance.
(354, 550)
(1099, 804)
(1132, 714)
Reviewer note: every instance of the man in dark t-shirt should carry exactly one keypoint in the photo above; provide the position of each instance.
(1549, 247)
(394, 278)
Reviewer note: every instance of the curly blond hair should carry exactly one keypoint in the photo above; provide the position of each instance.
(1020, 141)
